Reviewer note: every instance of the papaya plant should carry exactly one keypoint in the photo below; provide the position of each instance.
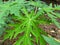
(29, 14)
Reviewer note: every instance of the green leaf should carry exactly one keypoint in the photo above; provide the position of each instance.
(51, 41)
(57, 7)
(56, 14)
(17, 31)
(53, 18)
(15, 10)
(56, 23)
(19, 41)
(27, 41)
(42, 41)
(9, 35)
